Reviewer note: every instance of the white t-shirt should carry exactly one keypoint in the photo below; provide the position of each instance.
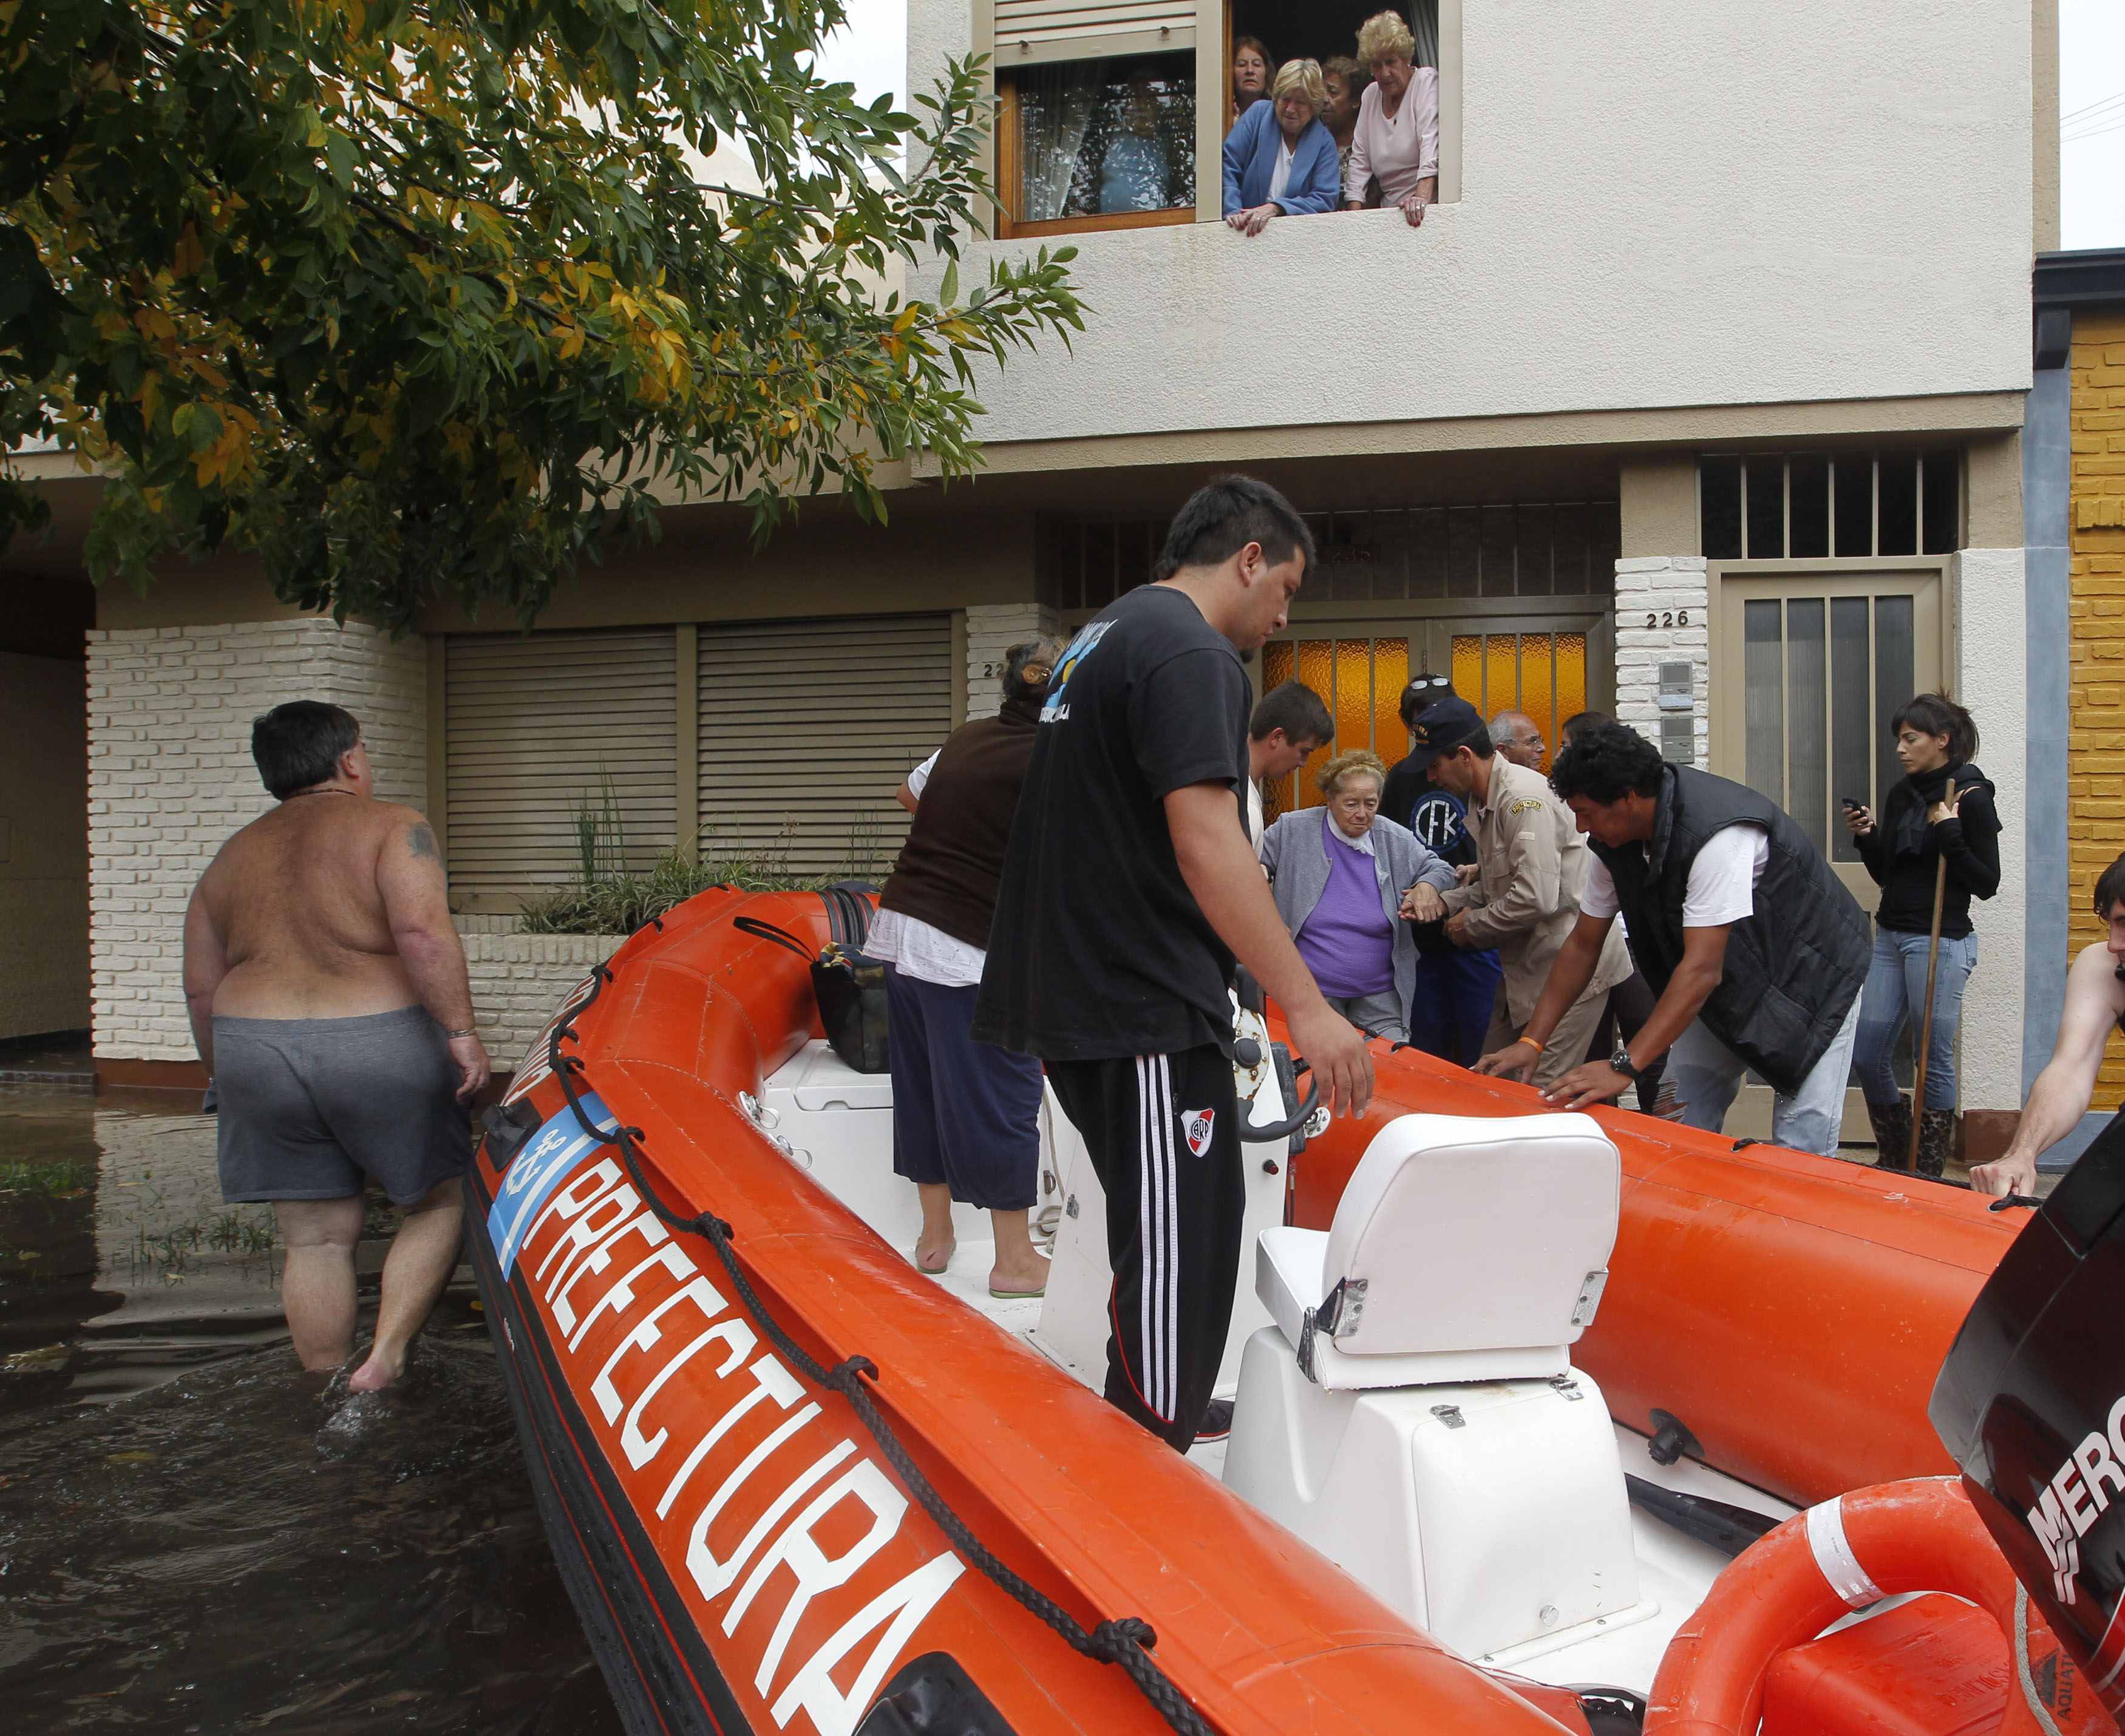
(908, 944)
(921, 775)
(1723, 879)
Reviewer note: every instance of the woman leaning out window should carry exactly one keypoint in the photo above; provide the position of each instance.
(1397, 136)
(1279, 159)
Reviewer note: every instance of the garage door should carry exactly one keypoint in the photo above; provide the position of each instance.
(806, 728)
(543, 728)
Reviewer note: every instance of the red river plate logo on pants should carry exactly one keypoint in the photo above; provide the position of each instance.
(1195, 1125)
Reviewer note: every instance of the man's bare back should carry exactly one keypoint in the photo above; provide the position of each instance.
(296, 902)
(327, 994)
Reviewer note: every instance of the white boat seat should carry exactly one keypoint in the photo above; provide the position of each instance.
(1463, 1249)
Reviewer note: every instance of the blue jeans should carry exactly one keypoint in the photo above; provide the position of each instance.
(1707, 1076)
(1896, 991)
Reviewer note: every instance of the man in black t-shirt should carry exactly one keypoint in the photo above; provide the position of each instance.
(1129, 887)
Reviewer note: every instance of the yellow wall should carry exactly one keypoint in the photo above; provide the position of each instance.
(2096, 755)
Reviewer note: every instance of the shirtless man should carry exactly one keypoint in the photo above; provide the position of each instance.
(2095, 1008)
(328, 998)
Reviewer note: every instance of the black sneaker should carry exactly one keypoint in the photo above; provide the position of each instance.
(1217, 1420)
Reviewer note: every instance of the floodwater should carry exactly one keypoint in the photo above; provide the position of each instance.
(195, 1535)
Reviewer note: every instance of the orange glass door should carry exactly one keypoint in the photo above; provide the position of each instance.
(1541, 673)
(1548, 666)
(1361, 677)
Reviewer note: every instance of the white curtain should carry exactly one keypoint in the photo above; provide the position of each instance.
(1055, 107)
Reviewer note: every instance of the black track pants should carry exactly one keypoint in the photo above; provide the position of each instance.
(1163, 1134)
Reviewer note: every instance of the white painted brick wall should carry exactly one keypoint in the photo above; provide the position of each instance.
(1665, 588)
(170, 776)
(518, 979)
(992, 629)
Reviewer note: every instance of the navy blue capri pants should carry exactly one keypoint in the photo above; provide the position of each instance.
(964, 1113)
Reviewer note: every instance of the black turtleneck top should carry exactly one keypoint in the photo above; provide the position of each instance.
(1903, 850)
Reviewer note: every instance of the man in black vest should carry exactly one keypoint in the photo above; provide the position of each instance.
(1754, 947)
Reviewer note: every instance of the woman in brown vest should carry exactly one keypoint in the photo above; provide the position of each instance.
(966, 1115)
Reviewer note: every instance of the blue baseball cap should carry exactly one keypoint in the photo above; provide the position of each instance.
(1442, 724)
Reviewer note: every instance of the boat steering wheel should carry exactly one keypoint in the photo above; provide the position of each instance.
(1920, 1536)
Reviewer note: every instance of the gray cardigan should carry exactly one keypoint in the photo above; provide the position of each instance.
(1296, 854)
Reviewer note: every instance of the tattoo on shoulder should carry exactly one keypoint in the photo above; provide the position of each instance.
(420, 840)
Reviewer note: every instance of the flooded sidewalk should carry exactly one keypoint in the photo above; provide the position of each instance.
(196, 1534)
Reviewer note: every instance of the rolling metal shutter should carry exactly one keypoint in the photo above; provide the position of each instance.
(807, 728)
(533, 726)
(1029, 30)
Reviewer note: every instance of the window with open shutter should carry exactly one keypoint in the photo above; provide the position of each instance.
(807, 729)
(1095, 126)
(537, 726)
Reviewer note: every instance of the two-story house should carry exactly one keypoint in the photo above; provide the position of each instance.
(1697, 397)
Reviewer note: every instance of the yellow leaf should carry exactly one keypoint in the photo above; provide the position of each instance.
(189, 256)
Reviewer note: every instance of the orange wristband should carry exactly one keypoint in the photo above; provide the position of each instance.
(1531, 1043)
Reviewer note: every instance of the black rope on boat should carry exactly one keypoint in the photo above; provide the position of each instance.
(1125, 1641)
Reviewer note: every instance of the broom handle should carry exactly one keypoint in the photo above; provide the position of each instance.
(1925, 1028)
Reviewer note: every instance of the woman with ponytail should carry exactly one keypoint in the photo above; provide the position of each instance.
(1941, 810)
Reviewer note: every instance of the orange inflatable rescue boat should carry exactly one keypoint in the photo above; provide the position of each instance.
(1518, 1397)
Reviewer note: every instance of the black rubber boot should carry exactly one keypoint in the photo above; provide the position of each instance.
(1892, 1134)
(1936, 1140)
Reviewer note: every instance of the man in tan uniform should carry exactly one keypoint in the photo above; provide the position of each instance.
(1531, 866)
(328, 998)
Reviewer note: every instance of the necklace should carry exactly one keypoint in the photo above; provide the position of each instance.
(323, 789)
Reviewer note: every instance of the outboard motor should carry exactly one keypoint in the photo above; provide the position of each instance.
(2031, 1402)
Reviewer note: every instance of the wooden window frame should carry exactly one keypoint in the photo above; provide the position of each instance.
(1010, 228)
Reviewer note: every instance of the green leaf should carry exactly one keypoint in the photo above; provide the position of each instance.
(452, 278)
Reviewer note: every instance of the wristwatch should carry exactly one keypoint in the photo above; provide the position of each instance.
(1621, 1062)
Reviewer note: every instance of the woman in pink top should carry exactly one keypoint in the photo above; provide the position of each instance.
(1397, 136)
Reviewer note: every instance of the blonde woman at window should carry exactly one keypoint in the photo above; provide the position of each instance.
(1278, 158)
(1252, 70)
(1397, 136)
(1343, 80)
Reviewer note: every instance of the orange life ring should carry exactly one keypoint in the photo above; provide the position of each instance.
(1920, 1536)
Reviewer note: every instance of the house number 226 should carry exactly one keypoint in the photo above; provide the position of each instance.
(1667, 618)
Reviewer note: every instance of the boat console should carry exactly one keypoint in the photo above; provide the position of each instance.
(1413, 1412)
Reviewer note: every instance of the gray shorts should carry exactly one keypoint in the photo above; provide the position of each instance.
(310, 1106)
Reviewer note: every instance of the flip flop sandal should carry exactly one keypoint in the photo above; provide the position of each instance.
(1017, 1296)
(935, 1271)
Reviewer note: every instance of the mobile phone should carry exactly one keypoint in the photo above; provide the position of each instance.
(1850, 802)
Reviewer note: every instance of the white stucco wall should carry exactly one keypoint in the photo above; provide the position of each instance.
(1991, 677)
(1663, 204)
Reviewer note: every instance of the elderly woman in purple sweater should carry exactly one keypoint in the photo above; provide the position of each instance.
(1339, 874)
